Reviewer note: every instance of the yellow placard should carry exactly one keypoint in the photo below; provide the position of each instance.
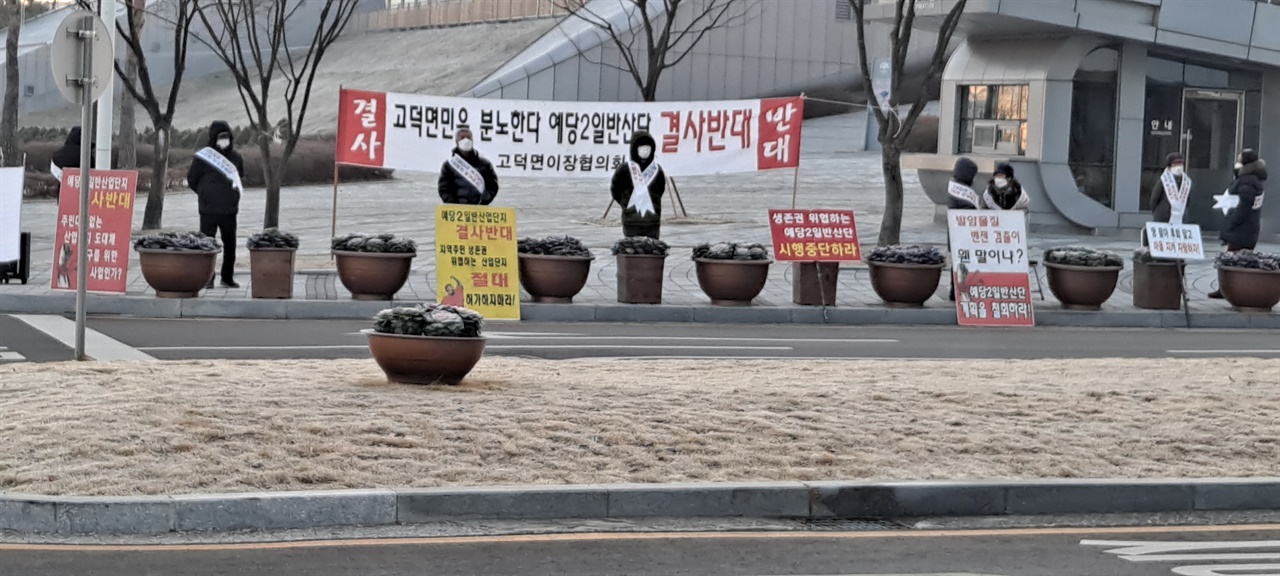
(477, 261)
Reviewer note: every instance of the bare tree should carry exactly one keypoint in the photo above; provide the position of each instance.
(252, 39)
(141, 88)
(128, 138)
(9, 145)
(662, 37)
(895, 129)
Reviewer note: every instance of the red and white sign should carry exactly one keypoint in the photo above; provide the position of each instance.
(990, 266)
(568, 139)
(814, 235)
(111, 197)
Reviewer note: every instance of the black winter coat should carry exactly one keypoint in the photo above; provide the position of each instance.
(217, 195)
(455, 189)
(1244, 224)
(621, 187)
(964, 173)
(1161, 209)
(68, 156)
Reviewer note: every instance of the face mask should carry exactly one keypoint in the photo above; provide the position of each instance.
(1176, 170)
(224, 143)
(465, 145)
(1239, 166)
(1001, 183)
(645, 152)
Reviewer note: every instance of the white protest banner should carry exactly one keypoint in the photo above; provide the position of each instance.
(567, 139)
(11, 183)
(990, 266)
(1175, 241)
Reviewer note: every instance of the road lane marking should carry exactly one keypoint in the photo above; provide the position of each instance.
(243, 348)
(1195, 555)
(622, 536)
(97, 345)
(1237, 351)
(491, 347)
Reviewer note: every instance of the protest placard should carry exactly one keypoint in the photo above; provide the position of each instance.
(990, 266)
(477, 260)
(111, 198)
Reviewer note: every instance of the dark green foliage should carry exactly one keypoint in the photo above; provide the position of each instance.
(641, 245)
(178, 242)
(554, 246)
(730, 251)
(907, 254)
(1077, 256)
(1249, 259)
(374, 244)
(273, 238)
(1144, 256)
(429, 320)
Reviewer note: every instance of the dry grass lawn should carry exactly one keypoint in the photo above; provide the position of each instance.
(183, 427)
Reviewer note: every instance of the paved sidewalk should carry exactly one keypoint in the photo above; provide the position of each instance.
(730, 207)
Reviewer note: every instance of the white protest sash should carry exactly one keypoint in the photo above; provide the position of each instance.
(640, 182)
(1177, 195)
(468, 172)
(1022, 203)
(221, 164)
(962, 192)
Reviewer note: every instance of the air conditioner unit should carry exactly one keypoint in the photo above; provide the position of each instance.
(1001, 137)
(985, 136)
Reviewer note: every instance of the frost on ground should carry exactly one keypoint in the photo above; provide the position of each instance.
(202, 426)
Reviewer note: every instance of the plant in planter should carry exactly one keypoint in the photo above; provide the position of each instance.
(373, 267)
(641, 267)
(906, 276)
(426, 344)
(177, 264)
(731, 274)
(555, 268)
(1249, 280)
(271, 259)
(1157, 282)
(1082, 278)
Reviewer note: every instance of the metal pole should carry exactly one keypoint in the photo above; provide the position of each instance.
(82, 243)
(106, 102)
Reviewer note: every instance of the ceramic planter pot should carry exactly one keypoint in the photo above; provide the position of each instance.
(373, 276)
(905, 285)
(271, 272)
(1082, 287)
(176, 274)
(424, 359)
(640, 278)
(732, 282)
(554, 279)
(814, 283)
(1157, 285)
(1249, 290)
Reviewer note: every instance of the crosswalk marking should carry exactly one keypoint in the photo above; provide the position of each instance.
(1198, 558)
(7, 355)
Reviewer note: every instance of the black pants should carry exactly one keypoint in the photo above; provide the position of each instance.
(650, 230)
(211, 225)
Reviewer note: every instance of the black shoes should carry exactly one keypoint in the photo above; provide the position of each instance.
(229, 283)
(1216, 295)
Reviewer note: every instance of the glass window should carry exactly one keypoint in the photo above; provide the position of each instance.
(1092, 152)
(993, 119)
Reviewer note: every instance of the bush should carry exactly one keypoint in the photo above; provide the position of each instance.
(554, 246)
(429, 320)
(178, 242)
(640, 245)
(1143, 255)
(730, 251)
(273, 238)
(374, 244)
(1077, 256)
(907, 254)
(1250, 260)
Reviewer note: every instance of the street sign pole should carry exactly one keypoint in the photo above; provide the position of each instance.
(86, 35)
(106, 102)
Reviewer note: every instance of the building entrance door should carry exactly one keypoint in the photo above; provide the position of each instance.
(1212, 122)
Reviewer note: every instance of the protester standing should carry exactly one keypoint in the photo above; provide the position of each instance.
(68, 156)
(1169, 196)
(961, 196)
(467, 177)
(1004, 192)
(638, 185)
(215, 178)
(1244, 221)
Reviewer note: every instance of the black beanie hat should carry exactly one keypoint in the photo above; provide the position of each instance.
(1249, 156)
(1004, 168)
(1174, 157)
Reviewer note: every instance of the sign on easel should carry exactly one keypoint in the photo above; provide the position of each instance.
(991, 267)
(11, 183)
(110, 215)
(814, 235)
(1175, 241)
(477, 260)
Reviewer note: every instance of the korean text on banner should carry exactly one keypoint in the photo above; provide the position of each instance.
(1175, 241)
(814, 235)
(567, 139)
(990, 266)
(477, 261)
(12, 181)
(111, 197)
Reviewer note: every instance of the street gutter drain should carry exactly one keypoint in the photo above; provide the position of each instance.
(851, 525)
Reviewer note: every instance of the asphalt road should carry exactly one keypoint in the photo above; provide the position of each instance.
(1049, 552)
(276, 339)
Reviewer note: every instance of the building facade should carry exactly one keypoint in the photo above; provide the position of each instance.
(1085, 100)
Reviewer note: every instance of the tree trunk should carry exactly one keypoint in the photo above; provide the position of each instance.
(128, 140)
(12, 84)
(891, 164)
(152, 216)
(273, 176)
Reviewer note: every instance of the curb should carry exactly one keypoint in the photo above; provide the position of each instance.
(153, 515)
(1052, 316)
